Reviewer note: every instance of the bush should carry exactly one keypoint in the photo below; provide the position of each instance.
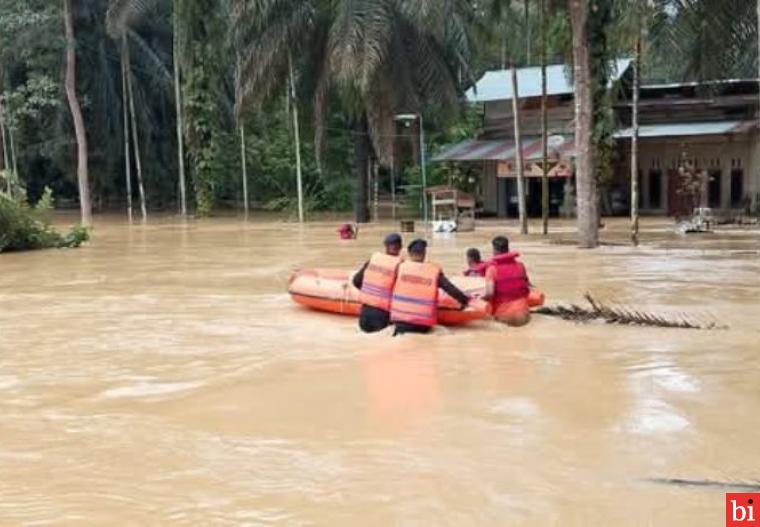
(24, 228)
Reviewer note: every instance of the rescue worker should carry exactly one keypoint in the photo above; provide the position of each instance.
(414, 307)
(507, 285)
(375, 282)
(475, 264)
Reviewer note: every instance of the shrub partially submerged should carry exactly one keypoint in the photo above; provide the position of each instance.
(23, 227)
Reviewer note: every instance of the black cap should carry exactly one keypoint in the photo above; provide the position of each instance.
(417, 246)
(393, 238)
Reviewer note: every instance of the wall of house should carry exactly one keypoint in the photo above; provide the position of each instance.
(498, 121)
(711, 153)
(489, 188)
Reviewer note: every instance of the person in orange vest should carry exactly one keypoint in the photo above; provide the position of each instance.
(507, 285)
(414, 306)
(375, 281)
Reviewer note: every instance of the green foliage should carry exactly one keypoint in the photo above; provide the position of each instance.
(23, 227)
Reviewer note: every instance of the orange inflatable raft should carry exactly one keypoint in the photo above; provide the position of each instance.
(331, 290)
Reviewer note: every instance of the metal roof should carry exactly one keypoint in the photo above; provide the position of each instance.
(496, 85)
(504, 150)
(688, 129)
(693, 84)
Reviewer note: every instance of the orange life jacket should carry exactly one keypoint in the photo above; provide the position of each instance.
(379, 278)
(415, 296)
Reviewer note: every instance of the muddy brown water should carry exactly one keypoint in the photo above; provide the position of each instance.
(161, 375)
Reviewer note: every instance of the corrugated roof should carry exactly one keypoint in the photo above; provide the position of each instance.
(504, 150)
(688, 129)
(497, 85)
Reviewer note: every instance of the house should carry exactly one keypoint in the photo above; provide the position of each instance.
(709, 129)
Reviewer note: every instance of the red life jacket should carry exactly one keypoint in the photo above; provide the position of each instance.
(511, 278)
(379, 279)
(478, 269)
(415, 295)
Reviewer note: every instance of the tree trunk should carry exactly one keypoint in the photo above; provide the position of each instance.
(635, 142)
(14, 157)
(85, 204)
(297, 135)
(544, 126)
(180, 124)
(527, 33)
(519, 154)
(243, 160)
(127, 147)
(361, 154)
(588, 219)
(4, 142)
(135, 135)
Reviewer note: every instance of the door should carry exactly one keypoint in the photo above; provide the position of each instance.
(714, 189)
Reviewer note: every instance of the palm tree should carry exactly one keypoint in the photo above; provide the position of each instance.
(376, 57)
(76, 114)
(121, 18)
(588, 219)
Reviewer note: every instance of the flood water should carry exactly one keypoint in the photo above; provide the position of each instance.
(161, 375)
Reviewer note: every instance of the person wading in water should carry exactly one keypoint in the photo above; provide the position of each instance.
(507, 285)
(375, 281)
(414, 306)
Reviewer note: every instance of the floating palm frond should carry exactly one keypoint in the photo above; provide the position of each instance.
(627, 316)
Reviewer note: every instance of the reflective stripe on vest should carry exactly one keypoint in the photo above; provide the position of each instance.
(379, 278)
(511, 279)
(415, 296)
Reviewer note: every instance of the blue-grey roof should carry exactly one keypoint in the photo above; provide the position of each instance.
(687, 129)
(497, 85)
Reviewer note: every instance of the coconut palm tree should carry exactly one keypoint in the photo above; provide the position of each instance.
(588, 218)
(377, 57)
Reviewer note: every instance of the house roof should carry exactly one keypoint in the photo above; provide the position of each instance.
(504, 150)
(496, 85)
(688, 129)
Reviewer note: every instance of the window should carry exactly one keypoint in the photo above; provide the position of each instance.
(655, 189)
(737, 187)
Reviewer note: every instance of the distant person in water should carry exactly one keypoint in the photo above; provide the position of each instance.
(375, 281)
(414, 307)
(348, 232)
(475, 264)
(507, 285)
